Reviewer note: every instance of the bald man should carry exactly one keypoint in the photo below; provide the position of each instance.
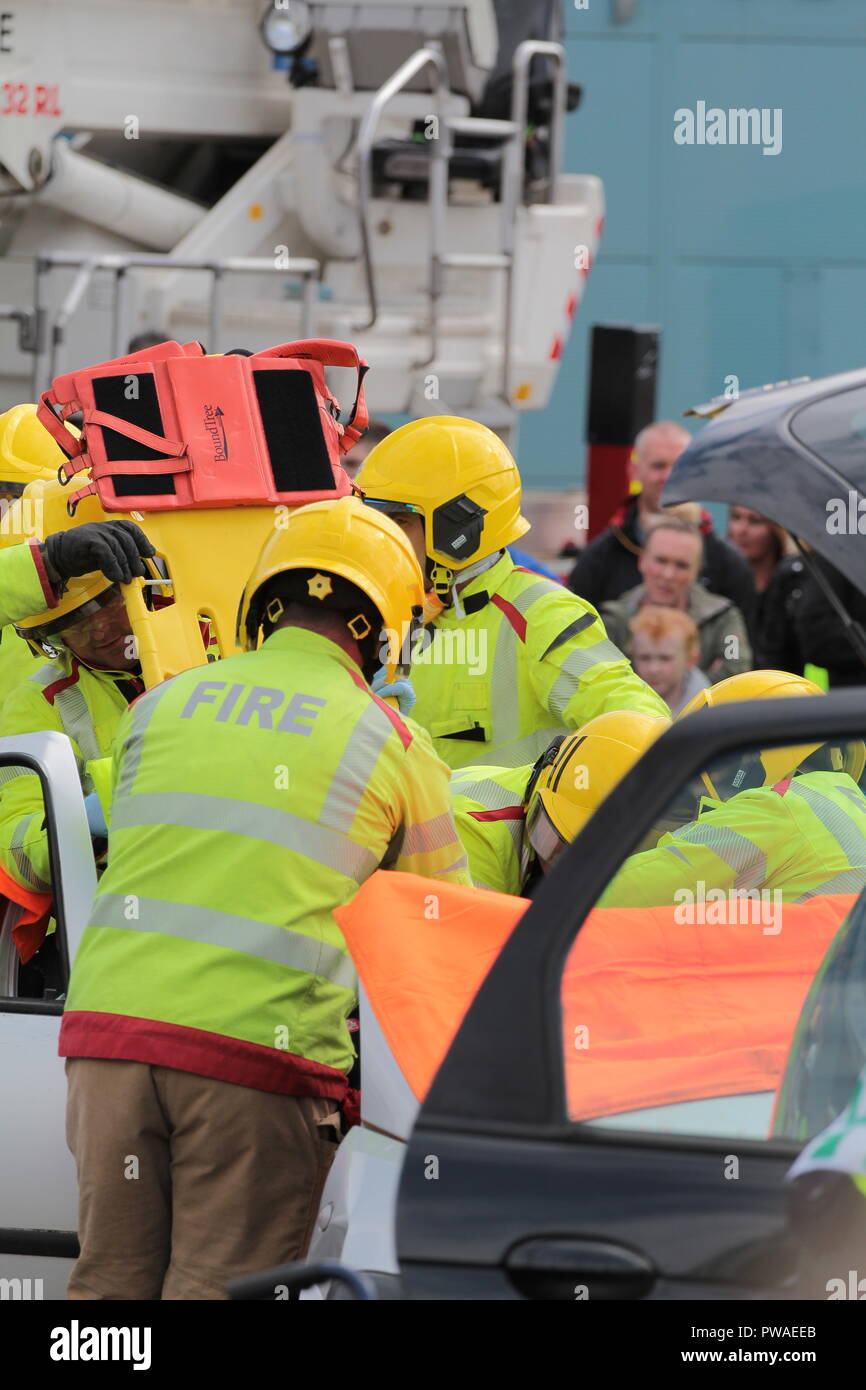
(609, 564)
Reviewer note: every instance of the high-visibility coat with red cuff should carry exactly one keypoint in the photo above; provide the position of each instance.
(529, 660)
(802, 837)
(490, 816)
(251, 798)
(86, 705)
(24, 584)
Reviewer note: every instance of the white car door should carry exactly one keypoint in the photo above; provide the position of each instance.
(38, 1197)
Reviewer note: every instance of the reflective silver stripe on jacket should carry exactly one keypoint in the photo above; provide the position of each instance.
(72, 708)
(835, 818)
(855, 796)
(747, 859)
(428, 835)
(227, 816)
(848, 881)
(224, 930)
(672, 849)
(142, 712)
(461, 863)
(22, 859)
(354, 770)
(504, 691)
(483, 790)
(516, 830)
(576, 665)
(8, 774)
(504, 686)
(531, 594)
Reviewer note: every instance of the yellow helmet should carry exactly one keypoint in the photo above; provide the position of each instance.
(39, 512)
(341, 538)
(751, 685)
(27, 450)
(769, 765)
(460, 477)
(577, 772)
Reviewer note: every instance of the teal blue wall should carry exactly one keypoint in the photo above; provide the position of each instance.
(752, 265)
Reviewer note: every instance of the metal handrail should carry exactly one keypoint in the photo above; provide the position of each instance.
(303, 266)
(512, 180)
(523, 56)
(67, 309)
(437, 193)
(29, 326)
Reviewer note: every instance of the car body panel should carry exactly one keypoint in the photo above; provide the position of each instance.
(697, 1210)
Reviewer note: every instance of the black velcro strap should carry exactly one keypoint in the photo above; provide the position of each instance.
(109, 394)
(293, 430)
(473, 735)
(475, 602)
(573, 630)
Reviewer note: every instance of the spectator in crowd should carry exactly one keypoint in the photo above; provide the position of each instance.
(820, 631)
(375, 432)
(670, 564)
(148, 339)
(779, 575)
(608, 566)
(664, 651)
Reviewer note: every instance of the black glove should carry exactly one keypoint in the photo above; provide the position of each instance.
(114, 547)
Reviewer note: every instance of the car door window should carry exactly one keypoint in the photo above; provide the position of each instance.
(834, 428)
(33, 963)
(685, 996)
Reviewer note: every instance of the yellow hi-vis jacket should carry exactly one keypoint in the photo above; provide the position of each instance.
(73, 699)
(24, 589)
(803, 837)
(251, 798)
(490, 815)
(530, 660)
(17, 662)
(24, 586)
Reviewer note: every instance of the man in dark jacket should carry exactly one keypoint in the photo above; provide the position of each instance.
(609, 564)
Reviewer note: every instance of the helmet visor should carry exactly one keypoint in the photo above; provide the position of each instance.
(393, 508)
(542, 833)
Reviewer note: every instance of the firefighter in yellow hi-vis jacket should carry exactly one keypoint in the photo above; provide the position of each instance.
(515, 822)
(510, 659)
(206, 1031)
(790, 822)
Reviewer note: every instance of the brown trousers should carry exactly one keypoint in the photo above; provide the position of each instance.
(185, 1183)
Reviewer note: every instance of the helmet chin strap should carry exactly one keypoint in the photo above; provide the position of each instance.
(447, 583)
